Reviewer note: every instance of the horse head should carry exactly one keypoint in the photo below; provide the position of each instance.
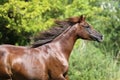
(85, 30)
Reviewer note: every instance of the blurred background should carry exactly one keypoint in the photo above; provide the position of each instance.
(20, 20)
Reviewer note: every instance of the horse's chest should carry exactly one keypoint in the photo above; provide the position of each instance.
(58, 66)
(64, 64)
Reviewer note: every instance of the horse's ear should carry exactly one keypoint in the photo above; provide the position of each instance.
(82, 18)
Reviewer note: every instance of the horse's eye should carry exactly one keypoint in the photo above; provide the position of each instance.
(87, 26)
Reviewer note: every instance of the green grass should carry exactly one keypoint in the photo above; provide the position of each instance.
(90, 63)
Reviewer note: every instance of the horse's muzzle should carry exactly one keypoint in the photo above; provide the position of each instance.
(97, 38)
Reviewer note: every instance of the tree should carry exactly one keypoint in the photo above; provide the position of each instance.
(22, 19)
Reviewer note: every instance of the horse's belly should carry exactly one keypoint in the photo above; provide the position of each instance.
(27, 70)
(27, 76)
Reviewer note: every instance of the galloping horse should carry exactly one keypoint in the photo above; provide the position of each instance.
(47, 58)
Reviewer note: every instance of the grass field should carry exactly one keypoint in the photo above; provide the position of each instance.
(90, 63)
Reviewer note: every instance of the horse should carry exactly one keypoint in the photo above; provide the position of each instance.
(47, 58)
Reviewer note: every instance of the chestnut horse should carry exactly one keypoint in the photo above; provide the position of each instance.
(48, 57)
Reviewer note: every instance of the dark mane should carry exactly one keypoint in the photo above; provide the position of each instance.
(50, 34)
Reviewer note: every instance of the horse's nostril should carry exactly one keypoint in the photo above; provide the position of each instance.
(101, 36)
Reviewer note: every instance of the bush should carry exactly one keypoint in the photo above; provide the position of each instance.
(88, 63)
(24, 18)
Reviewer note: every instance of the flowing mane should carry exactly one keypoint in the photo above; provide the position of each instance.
(50, 34)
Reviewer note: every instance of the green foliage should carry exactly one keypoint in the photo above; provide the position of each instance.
(109, 23)
(25, 18)
(87, 63)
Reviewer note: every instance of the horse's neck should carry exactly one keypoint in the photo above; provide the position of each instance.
(66, 41)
